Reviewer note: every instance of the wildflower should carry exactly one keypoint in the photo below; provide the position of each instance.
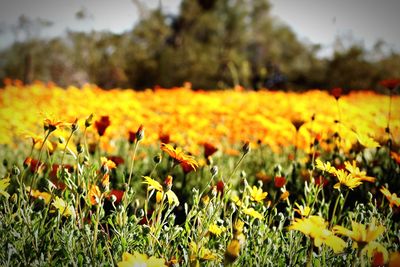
(233, 249)
(395, 156)
(4, 183)
(235, 199)
(119, 194)
(220, 187)
(46, 197)
(63, 208)
(297, 123)
(52, 125)
(304, 211)
(137, 259)
(107, 164)
(327, 167)
(361, 234)
(337, 92)
(89, 121)
(377, 253)
(390, 84)
(209, 149)
(346, 179)
(257, 194)
(164, 138)
(94, 195)
(393, 199)
(140, 133)
(279, 181)
(179, 156)
(316, 228)
(367, 141)
(201, 253)
(321, 181)
(102, 124)
(285, 195)
(357, 173)
(253, 213)
(154, 185)
(246, 148)
(216, 230)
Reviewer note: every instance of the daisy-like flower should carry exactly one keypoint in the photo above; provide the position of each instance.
(360, 233)
(367, 141)
(63, 208)
(107, 164)
(393, 199)
(346, 179)
(202, 253)
(304, 211)
(316, 228)
(4, 183)
(257, 194)
(142, 260)
(253, 213)
(41, 195)
(326, 167)
(179, 156)
(52, 125)
(216, 230)
(154, 185)
(357, 173)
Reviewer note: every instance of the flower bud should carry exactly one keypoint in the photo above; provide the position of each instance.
(214, 170)
(246, 147)
(79, 148)
(140, 133)
(89, 121)
(157, 158)
(15, 171)
(75, 126)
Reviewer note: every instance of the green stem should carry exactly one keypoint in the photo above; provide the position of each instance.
(236, 167)
(334, 211)
(96, 225)
(133, 160)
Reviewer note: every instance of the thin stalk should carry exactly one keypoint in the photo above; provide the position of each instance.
(236, 167)
(334, 211)
(96, 225)
(133, 161)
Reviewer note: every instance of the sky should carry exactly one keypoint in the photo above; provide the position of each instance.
(314, 21)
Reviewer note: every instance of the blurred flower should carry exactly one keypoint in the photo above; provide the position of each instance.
(395, 156)
(304, 211)
(164, 138)
(394, 260)
(253, 213)
(179, 156)
(46, 197)
(107, 164)
(360, 233)
(327, 167)
(94, 195)
(209, 149)
(63, 208)
(285, 195)
(316, 228)
(200, 253)
(119, 194)
(367, 141)
(390, 84)
(154, 185)
(393, 199)
(102, 124)
(233, 249)
(142, 260)
(216, 230)
(337, 92)
(357, 173)
(4, 183)
(257, 194)
(279, 181)
(377, 253)
(52, 125)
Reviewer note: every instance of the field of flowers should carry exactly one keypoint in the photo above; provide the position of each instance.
(176, 177)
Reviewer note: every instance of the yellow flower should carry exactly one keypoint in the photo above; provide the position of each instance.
(52, 125)
(393, 199)
(63, 208)
(327, 167)
(154, 185)
(216, 230)
(285, 195)
(202, 253)
(253, 213)
(109, 164)
(136, 259)
(357, 173)
(179, 156)
(236, 200)
(316, 228)
(346, 179)
(4, 183)
(367, 141)
(41, 195)
(304, 211)
(360, 233)
(233, 249)
(257, 194)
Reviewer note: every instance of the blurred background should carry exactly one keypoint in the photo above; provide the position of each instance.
(213, 44)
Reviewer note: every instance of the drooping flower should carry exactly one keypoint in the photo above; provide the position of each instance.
(179, 156)
(393, 199)
(52, 125)
(257, 194)
(357, 173)
(136, 259)
(316, 228)
(253, 213)
(154, 185)
(209, 149)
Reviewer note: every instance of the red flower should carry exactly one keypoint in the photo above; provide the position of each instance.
(336, 92)
(119, 194)
(209, 149)
(116, 159)
(390, 84)
(220, 187)
(378, 259)
(164, 138)
(279, 181)
(102, 124)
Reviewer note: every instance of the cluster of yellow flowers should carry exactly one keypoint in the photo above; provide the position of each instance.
(190, 118)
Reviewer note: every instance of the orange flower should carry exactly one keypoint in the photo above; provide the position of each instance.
(94, 195)
(179, 156)
(393, 199)
(107, 164)
(52, 125)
